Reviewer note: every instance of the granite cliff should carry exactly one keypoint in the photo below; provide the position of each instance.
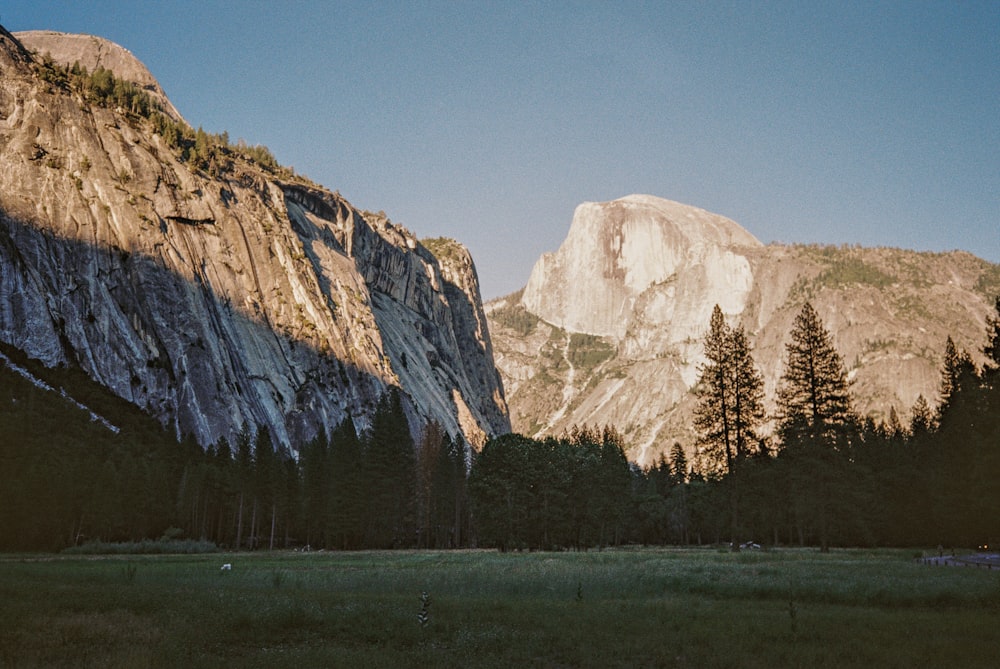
(220, 293)
(609, 329)
(93, 53)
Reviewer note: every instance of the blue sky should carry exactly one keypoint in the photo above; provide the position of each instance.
(871, 123)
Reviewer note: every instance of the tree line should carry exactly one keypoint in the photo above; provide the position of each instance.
(65, 480)
(825, 476)
(829, 476)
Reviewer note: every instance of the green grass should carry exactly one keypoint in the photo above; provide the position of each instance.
(624, 608)
(515, 317)
(588, 351)
(988, 282)
(445, 249)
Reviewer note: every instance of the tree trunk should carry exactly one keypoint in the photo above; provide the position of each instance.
(734, 521)
(270, 545)
(239, 525)
(253, 525)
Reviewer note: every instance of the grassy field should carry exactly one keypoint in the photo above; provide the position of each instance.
(622, 608)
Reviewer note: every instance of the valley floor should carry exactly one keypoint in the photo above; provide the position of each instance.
(617, 608)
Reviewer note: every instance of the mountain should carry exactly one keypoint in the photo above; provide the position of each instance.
(609, 329)
(206, 284)
(93, 53)
(616, 251)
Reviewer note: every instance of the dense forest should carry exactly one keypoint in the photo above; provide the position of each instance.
(825, 477)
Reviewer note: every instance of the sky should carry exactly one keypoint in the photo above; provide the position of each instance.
(844, 122)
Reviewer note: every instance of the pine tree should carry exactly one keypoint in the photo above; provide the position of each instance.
(814, 423)
(224, 491)
(730, 393)
(992, 348)
(991, 421)
(748, 396)
(958, 374)
(390, 462)
(813, 400)
(730, 408)
(290, 497)
(893, 428)
(244, 479)
(429, 451)
(958, 416)
(313, 463)
(499, 491)
(678, 464)
(921, 418)
(346, 483)
(679, 515)
(267, 486)
(450, 494)
(713, 415)
(615, 478)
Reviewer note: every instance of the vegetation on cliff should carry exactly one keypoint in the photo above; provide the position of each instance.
(514, 316)
(201, 150)
(445, 249)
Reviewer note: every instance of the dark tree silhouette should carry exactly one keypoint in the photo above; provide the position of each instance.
(814, 422)
(730, 407)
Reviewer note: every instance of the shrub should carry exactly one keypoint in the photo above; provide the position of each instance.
(144, 547)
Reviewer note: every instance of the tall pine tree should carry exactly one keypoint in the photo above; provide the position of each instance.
(346, 481)
(958, 374)
(964, 447)
(813, 400)
(730, 407)
(991, 350)
(814, 424)
(991, 427)
(391, 478)
(921, 418)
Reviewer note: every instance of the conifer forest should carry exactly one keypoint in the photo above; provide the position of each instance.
(819, 475)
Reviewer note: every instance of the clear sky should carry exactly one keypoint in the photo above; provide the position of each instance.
(840, 122)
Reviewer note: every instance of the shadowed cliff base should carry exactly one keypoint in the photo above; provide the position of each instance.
(173, 346)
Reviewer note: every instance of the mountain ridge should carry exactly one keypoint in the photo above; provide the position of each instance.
(93, 52)
(889, 310)
(209, 286)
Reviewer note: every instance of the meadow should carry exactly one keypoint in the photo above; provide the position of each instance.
(614, 608)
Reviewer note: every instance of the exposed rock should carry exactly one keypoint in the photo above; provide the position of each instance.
(214, 301)
(93, 52)
(638, 256)
(609, 329)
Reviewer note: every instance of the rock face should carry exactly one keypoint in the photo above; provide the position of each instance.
(217, 301)
(93, 52)
(609, 329)
(639, 248)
